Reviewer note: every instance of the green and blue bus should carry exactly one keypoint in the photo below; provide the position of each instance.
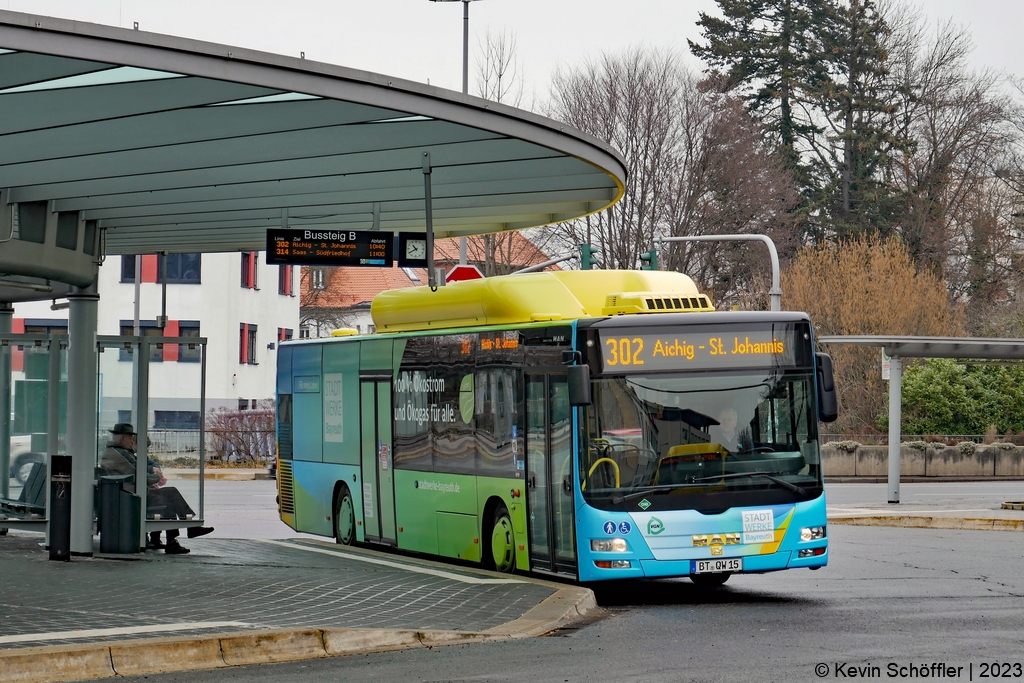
(590, 424)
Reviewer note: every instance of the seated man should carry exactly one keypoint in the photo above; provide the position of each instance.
(119, 458)
(729, 434)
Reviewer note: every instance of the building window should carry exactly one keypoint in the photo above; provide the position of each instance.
(249, 270)
(284, 334)
(303, 333)
(247, 344)
(243, 404)
(176, 419)
(182, 269)
(46, 326)
(284, 280)
(189, 328)
(128, 268)
(147, 328)
(318, 279)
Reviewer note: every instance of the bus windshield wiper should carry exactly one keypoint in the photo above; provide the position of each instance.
(668, 487)
(644, 491)
(781, 482)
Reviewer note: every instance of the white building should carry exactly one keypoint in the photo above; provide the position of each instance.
(242, 306)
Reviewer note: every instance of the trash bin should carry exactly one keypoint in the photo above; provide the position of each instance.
(119, 517)
(60, 507)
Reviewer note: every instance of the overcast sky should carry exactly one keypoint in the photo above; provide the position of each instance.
(422, 40)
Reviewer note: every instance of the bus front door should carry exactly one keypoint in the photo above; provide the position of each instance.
(549, 474)
(377, 461)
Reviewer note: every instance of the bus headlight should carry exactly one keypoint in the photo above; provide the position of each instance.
(814, 533)
(606, 545)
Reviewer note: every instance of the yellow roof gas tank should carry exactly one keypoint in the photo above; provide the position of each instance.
(533, 297)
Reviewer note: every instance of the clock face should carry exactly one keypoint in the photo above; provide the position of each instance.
(416, 249)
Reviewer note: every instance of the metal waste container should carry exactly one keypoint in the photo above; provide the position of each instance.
(119, 518)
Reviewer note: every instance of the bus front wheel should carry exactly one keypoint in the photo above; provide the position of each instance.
(344, 518)
(710, 580)
(503, 542)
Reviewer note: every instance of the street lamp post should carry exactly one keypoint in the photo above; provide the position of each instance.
(465, 86)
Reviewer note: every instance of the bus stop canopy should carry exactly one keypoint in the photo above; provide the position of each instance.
(180, 145)
(897, 348)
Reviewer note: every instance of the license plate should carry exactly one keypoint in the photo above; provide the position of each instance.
(716, 566)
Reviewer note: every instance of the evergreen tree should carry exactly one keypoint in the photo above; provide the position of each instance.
(856, 103)
(771, 50)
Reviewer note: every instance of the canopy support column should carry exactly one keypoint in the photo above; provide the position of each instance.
(895, 418)
(81, 433)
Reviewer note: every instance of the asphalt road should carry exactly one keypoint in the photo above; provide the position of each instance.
(895, 599)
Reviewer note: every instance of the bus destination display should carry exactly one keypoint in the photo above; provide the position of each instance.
(330, 247)
(627, 351)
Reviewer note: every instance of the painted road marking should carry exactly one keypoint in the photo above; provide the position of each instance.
(124, 631)
(396, 565)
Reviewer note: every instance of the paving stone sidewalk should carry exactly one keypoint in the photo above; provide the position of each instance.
(255, 584)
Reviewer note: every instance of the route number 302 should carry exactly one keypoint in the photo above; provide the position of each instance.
(624, 351)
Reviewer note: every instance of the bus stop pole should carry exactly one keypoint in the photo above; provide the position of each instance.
(895, 416)
(6, 324)
(431, 275)
(52, 422)
(142, 433)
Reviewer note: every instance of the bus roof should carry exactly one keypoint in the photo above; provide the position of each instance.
(536, 297)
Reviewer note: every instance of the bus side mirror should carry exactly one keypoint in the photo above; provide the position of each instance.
(579, 385)
(828, 403)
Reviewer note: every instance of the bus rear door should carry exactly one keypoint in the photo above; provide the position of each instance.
(377, 460)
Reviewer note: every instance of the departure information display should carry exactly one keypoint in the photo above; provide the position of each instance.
(628, 351)
(330, 247)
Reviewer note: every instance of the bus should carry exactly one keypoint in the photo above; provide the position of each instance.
(589, 424)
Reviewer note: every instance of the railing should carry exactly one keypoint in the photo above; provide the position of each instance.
(883, 439)
(258, 446)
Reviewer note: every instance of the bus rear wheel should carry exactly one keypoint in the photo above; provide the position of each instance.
(710, 580)
(344, 518)
(503, 542)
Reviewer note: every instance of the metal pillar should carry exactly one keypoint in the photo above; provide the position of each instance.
(81, 433)
(6, 324)
(52, 419)
(141, 411)
(895, 416)
(429, 208)
(774, 294)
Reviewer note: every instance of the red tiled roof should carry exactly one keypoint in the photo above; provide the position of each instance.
(349, 286)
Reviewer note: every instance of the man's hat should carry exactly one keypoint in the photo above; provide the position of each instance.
(122, 428)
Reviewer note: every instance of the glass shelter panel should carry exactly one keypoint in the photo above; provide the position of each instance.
(33, 384)
(154, 411)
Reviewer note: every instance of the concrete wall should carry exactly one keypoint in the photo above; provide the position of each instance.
(934, 461)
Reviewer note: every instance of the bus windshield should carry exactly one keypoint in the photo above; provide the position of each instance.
(706, 441)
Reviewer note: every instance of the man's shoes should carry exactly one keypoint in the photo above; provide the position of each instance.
(197, 531)
(153, 542)
(175, 548)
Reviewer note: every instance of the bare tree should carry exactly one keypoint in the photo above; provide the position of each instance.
(501, 77)
(318, 309)
(866, 286)
(698, 164)
(631, 102)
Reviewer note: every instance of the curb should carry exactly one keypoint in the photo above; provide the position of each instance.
(931, 522)
(160, 655)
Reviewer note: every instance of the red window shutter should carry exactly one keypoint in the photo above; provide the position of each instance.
(252, 269)
(18, 357)
(150, 266)
(171, 350)
(243, 341)
(288, 282)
